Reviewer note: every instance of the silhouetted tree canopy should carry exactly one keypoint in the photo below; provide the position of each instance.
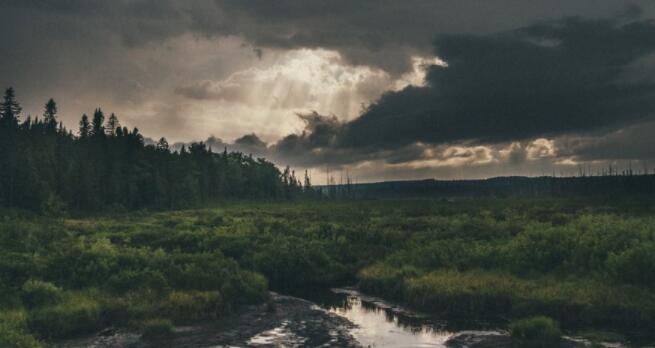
(50, 114)
(85, 127)
(97, 125)
(9, 110)
(43, 165)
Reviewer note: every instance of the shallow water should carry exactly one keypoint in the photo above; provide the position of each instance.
(378, 323)
(377, 328)
(381, 324)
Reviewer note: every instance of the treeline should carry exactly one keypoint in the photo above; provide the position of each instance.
(46, 167)
(610, 184)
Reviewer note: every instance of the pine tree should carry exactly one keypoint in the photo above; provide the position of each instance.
(112, 125)
(85, 127)
(97, 127)
(9, 110)
(50, 115)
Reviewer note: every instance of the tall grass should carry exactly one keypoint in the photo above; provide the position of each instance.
(478, 294)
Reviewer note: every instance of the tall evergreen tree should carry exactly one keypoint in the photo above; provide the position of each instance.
(112, 125)
(97, 125)
(9, 148)
(85, 127)
(50, 115)
(9, 110)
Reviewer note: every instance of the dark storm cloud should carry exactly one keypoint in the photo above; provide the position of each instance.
(136, 21)
(251, 143)
(567, 79)
(382, 33)
(632, 143)
(316, 144)
(386, 33)
(548, 79)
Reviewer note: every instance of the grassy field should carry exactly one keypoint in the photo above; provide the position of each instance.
(585, 265)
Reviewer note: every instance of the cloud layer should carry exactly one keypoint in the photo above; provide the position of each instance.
(553, 78)
(388, 89)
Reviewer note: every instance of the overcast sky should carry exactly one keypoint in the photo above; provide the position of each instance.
(386, 89)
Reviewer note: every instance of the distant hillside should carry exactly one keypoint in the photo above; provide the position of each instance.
(513, 186)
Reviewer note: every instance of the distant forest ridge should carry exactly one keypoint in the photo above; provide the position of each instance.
(103, 166)
(617, 184)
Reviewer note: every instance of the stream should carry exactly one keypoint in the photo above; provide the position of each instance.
(378, 323)
(338, 318)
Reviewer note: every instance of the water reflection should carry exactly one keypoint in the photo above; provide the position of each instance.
(381, 324)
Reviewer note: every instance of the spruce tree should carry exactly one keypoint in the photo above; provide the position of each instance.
(112, 125)
(50, 115)
(9, 110)
(97, 127)
(85, 127)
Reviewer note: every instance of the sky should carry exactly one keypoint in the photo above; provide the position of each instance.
(382, 90)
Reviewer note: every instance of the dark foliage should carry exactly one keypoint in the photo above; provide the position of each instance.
(44, 167)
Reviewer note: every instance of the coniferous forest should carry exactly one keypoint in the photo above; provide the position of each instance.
(46, 167)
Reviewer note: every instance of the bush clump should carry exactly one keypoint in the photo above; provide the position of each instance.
(37, 293)
(11, 336)
(128, 280)
(536, 332)
(76, 315)
(13, 332)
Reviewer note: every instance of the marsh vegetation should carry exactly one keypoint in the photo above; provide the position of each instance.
(588, 266)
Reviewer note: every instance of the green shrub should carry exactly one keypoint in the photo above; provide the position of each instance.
(16, 268)
(127, 280)
(536, 332)
(635, 265)
(540, 249)
(14, 337)
(385, 280)
(13, 333)
(157, 328)
(471, 294)
(129, 307)
(255, 288)
(38, 293)
(76, 315)
(192, 305)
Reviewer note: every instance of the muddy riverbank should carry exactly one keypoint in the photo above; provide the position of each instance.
(284, 321)
(343, 318)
